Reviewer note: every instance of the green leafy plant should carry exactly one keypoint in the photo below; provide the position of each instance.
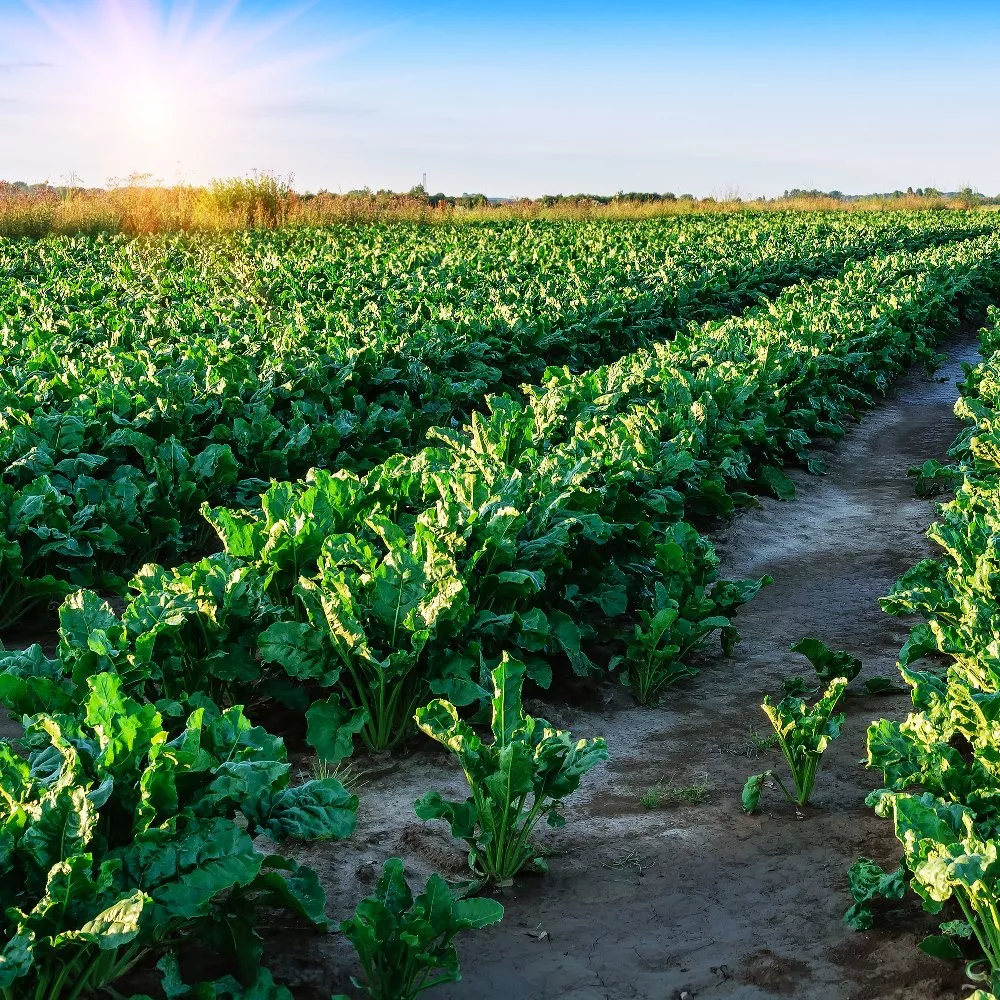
(795, 686)
(933, 478)
(371, 612)
(189, 631)
(948, 944)
(949, 859)
(868, 882)
(803, 734)
(259, 986)
(121, 840)
(522, 776)
(689, 603)
(407, 945)
(882, 685)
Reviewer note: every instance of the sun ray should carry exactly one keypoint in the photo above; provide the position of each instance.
(157, 81)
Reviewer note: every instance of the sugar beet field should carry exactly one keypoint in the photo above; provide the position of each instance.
(307, 532)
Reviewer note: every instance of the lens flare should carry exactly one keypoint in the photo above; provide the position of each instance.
(160, 83)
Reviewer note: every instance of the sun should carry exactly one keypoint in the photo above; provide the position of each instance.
(159, 82)
(155, 104)
(153, 109)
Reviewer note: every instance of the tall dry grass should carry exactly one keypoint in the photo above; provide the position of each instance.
(135, 207)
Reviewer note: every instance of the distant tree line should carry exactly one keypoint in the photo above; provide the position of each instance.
(965, 194)
(478, 200)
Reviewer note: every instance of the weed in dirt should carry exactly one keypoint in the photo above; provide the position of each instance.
(754, 744)
(666, 793)
(352, 777)
(630, 862)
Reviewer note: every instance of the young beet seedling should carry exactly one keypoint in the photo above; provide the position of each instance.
(523, 775)
(803, 734)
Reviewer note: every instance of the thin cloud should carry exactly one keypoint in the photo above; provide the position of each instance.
(14, 67)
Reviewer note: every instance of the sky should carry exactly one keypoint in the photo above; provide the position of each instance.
(711, 98)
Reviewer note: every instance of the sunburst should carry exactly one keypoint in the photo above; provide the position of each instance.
(161, 83)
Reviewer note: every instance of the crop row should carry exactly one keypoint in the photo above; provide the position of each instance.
(142, 379)
(500, 553)
(539, 528)
(941, 766)
(356, 599)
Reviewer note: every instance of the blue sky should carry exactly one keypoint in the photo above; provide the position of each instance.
(518, 98)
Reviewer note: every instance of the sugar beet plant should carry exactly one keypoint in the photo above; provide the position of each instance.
(940, 787)
(375, 607)
(690, 603)
(121, 841)
(867, 882)
(222, 362)
(407, 945)
(259, 985)
(523, 775)
(804, 732)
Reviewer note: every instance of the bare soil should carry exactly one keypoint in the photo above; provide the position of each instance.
(700, 900)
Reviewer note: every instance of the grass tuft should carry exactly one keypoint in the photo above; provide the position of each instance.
(666, 793)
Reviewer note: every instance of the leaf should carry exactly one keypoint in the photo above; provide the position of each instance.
(776, 482)
(462, 816)
(185, 872)
(391, 888)
(62, 824)
(883, 685)
(920, 642)
(567, 634)
(17, 958)
(241, 532)
(752, 791)
(285, 884)
(82, 614)
(119, 923)
(476, 913)
(321, 809)
(298, 649)
(508, 678)
(331, 728)
(940, 946)
(826, 662)
(440, 721)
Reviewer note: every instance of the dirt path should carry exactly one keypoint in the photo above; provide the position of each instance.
(700, 900)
